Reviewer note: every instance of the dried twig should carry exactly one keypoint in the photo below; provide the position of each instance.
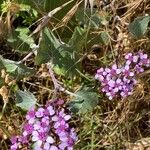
(68, 16)
(57, 86)
(45, 19)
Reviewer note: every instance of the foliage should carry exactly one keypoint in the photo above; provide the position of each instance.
(60, 54)
(15, 69)
(86, 100)
(25, 100)
(20, 40)
(139, 26)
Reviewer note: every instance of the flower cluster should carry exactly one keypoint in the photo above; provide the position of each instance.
(46, 128)
(119, 80)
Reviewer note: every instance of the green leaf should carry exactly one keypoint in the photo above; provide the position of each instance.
(139, 26)
(20, 40)
(78, 38)
(98, 38)
(48, 47)
(63, 56)
(85, 101)
(36, 4)
(84, 17)
(25, 99)
(18, 71)
(104, 38)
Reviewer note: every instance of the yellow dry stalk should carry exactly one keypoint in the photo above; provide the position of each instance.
(68, 16)
(2, 28)
(7, 78)
(3, 73)
(4, 92)
(11, 7)
(90, 2)
(142, 144)
(14, 8)
(12, 82)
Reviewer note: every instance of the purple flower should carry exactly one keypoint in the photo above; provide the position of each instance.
(111, 83)
(48, 143)
(40, 112)
(100, 71)
(105, 89)
(129, 56)
(67, 142)
(23, 139)
(60, 102)
(99, 77)
(31, 116)
(119, 81)
(14, 139)
(53, 148)
(51, 110)
(107, 70)
(46, 146)
(14, 146)
(28, 129)
(45, 129)
(135, 58)
(61, 126)
(73, 134)
(44, 124)
(61, 116)
(37, 125)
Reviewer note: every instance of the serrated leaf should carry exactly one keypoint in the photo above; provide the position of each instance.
(49, 48)
(139, 26)
(25, 99)
(20, 40)
(23, 35)
(85, 101)
(79, 16)
(78, 38)
(18, 71)
(95, 21)
(63, 56)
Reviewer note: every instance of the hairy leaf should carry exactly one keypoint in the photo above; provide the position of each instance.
(25, 99)
(95, 21)
(85, 101)
(63, 56)
(139, 26)
(18, 71)
(20, 40)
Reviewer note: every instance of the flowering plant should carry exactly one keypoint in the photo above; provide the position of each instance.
(119, 80)
(46, 128)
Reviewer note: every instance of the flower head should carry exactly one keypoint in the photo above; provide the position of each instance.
(45, 128)
(119, 81)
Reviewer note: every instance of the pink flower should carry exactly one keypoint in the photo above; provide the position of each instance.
(45, 131)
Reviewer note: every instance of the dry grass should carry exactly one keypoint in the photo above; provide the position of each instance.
(113, 125)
